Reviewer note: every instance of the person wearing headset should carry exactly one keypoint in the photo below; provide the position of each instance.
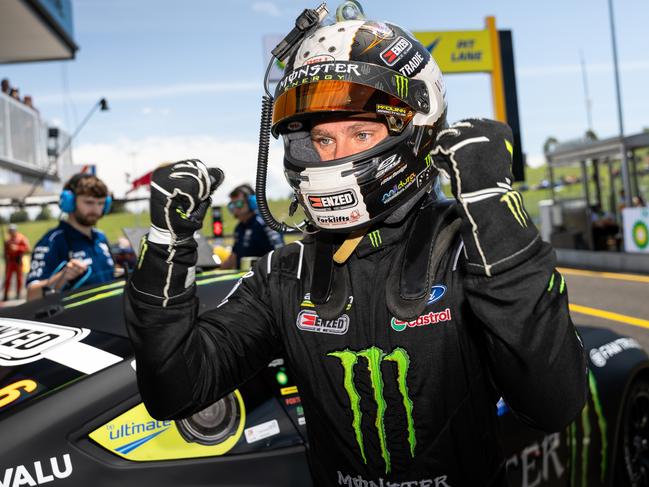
(252, 238)
(74, 254)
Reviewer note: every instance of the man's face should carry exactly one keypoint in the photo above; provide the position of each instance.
(339, 138)
(89, 210)
(239, 207)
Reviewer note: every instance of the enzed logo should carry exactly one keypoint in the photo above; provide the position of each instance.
(397, 49)
(401, 83)
(337, 201)
(374, 358)
(514, 202)
(309, 321)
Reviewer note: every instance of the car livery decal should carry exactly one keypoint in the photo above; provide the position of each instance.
(136, 436)
(23, 342)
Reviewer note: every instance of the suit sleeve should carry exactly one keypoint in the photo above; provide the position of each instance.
(186, 362)
(535, 356)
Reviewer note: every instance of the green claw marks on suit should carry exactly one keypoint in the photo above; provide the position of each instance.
(374, 357)
(587, 439)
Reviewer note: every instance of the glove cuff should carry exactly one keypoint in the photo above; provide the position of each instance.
(165, 275)
(497, 233)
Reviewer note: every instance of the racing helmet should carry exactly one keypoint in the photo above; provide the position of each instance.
(362, 69)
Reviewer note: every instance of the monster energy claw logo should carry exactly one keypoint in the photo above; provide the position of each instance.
(375, 238)
(401, 83)
(515, 204)
(374, 357)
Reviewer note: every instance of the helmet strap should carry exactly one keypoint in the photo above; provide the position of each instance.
(348, 246)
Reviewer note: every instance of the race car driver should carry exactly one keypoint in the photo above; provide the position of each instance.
(404, 317)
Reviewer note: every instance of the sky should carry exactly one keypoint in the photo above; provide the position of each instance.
(184, 79)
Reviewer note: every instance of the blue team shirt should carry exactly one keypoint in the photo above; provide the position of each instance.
(64, 243)
(254, 239)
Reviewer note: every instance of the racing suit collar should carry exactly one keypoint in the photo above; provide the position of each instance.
(385, 235)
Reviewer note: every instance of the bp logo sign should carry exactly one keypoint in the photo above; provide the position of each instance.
(374, 358)
(640, 234)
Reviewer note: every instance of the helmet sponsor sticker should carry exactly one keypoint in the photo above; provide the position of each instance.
(388, 164)
(334, 220)
(396, 51)
(323, 58)
(431, 318)
(411, 66)
(330, 202)
(398, 188)
(308, 320)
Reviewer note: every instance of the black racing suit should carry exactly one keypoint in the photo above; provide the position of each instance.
(386, 401)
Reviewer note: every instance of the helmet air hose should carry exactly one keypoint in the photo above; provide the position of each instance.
(307, 21)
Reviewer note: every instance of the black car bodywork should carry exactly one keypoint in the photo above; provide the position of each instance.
(70, 412)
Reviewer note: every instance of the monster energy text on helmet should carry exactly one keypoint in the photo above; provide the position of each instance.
(367, 69)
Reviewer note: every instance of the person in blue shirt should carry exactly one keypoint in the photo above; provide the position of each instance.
(74, 254)
(252, 238)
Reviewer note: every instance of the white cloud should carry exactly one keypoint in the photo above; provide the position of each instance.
(535, 160)
(148, 92)
(553, 70)
(268, 8)
(237, 159)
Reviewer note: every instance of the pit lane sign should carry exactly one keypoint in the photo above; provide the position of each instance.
(459, 51)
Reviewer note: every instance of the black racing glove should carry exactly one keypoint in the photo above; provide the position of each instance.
(180, 197)
(476, 154)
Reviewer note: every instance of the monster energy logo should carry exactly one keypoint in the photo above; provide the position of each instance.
(562, 283)
(375, 238)
(586, 438)
(429, 159)
(515, 204)
(374, 357)
(401, 83)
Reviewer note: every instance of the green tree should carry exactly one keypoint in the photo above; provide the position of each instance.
(19, 216)
(45, 214)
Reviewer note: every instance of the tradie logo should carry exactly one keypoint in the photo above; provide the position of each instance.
(515, 204)
(375, 238)
(374, 357)
(402, 83)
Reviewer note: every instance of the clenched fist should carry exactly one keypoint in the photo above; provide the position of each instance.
(180, 196)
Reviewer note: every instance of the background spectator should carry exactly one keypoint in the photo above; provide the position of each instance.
(16, 246)
(252, 238)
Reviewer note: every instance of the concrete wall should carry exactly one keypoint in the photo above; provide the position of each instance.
(604, 261)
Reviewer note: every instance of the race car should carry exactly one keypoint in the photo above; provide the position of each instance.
(71, 414)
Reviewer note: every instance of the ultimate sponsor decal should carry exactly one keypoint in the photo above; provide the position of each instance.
(330, 202)
(431, 318)
(359, 481)
(374, 357)
(38, 473)
(436, 293)
(396, 51)
(412, 65)
(398, 188)
(136, 436)
(599, 356)
(22, 342)
(401, 83)
(312, 73)
(308, 320)
(514, 202)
